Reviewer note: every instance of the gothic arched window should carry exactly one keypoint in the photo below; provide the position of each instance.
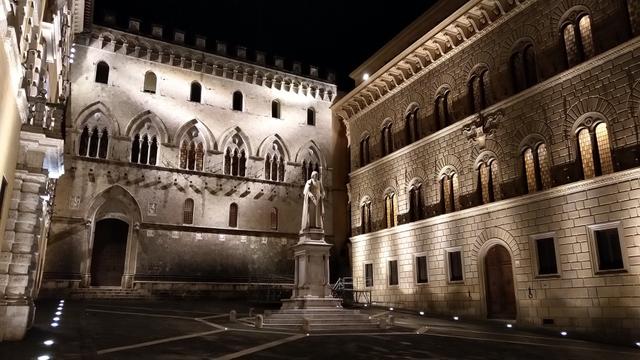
(144, 148)
(94, 142)
(235, 158)
(274, 163)
(192, 155)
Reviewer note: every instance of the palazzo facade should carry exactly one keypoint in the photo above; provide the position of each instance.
(184, 167)
(495, 166)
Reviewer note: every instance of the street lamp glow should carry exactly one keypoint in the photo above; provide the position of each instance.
(365, 77)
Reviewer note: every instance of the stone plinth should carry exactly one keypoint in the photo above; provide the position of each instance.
(311, 289)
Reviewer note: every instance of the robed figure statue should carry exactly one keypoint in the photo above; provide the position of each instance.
(313, 209)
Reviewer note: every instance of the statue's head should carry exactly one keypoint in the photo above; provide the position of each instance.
(314, 175)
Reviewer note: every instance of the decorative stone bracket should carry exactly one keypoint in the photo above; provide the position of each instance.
(482, 127)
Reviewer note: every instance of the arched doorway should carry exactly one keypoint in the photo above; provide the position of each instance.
(501, 298)
(109, 252)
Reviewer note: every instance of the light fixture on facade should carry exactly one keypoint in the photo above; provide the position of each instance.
(73, 50)
(70, 61)
(58, 313)
(563, 333)
(56, 319)
(59, 307)
(509, 326)
(638, 344)
(365, 77)
(456, 318)
(365, 305)
(54, 324)
(421, 313)
(390, 309)
(48, 342)
(73, 56)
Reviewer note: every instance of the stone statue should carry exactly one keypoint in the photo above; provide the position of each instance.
(313, 209)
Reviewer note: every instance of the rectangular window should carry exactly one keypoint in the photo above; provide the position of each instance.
(368, 275)
(609, 250)
(393, 272)
(3, 189)
(455, 265)
(546, 250)
(422, 276)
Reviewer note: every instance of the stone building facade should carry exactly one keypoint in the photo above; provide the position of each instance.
(36, 51)
(184, 168)
(495, 167)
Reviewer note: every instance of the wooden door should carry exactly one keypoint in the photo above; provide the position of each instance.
(501, 299)
(109, 251)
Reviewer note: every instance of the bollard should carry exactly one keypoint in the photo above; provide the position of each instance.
(259, 321)
(251, 310)
(232, 315)
(383, 324)
(306, 325)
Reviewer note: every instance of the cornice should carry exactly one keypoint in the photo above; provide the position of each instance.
(189, 59)
(575, 71)
(456, 32)
(563, 190)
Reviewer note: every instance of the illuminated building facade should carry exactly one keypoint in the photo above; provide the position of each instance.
(495, 165)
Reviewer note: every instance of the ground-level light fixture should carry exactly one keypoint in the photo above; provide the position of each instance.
(44, 357)
(56, 319)
(59, 307)
(509, 326)
(54, 324)
(390, 309)
(421, 313)
(638, 344)
(48, 342)
(563, 333)
(58, 313)
(456, 318)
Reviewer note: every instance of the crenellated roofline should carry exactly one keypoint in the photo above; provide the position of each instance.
(150, 49)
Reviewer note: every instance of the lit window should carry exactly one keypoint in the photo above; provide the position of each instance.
(604, 150)
(586, 154)
(577, 37)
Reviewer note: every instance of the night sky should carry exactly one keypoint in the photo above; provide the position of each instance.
(331, 34)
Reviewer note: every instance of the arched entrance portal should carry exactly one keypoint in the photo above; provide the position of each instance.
(501, 298)
(109, 252)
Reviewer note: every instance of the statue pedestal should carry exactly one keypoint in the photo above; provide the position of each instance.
(311, 289)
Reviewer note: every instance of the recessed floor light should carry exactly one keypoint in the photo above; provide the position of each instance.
(58, 313)
(54, 324)
(59, 307)
(44, 357)
(48, 342)
(509, 326)
(456, 318)
(56, 319)
(421, 313)
(563, 333)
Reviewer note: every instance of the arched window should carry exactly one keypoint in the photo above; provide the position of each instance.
(196, 92)
(238, 101)
(235, 158)
(233, 215)
(150, 82)
(415, 202)
(94, 142)
(386, 140)
(364, 151)
(187, 217)
(310, 163)
(479, 89)
(594, 148)
(523, 66)
(536, 167)
(489, 180)
(411, 126)
(449, 192)
(442, 113)
(102, 73)
(274, 163)
(192, 155)
(144, 147)
(274, 219)
(311, 117)
(275, 109)
(365, 216)
(577, 36)
(390, 209)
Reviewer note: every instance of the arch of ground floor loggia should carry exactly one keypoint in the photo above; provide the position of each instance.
(113, 203)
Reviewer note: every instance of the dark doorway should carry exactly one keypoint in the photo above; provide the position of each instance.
(501, 298)
(109, 250)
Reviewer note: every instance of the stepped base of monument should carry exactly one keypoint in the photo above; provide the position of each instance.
(321, 319)
(302, 303)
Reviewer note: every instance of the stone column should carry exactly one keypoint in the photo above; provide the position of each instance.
(19, 255)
